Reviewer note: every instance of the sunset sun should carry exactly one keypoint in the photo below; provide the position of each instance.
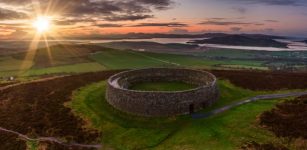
(42, 24)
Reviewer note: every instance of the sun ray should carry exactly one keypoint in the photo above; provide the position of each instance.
(48, 50)
(30, 55)
(43, 26)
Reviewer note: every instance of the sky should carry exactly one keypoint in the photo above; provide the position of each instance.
(76, 18)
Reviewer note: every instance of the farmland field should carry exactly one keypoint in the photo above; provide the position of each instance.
(66, 59)
(63, 59)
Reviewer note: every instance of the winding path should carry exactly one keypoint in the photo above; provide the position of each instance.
(34, 81)
(50, 139)
(253, 99)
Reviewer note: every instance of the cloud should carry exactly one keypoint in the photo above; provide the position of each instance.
(18, 33)
(272, 21)
(127, 17)
(158, 4)
(226, 23)
(108, 25)
(240, 10)
(269, 30)
(6, 14)
(73, 21)
(179, 31)
(236, 29)
(111, 10)
(170, 24)
(273, 2)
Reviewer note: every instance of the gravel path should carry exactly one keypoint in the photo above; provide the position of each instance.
(253, 99)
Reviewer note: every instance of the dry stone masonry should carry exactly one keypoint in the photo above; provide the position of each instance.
(161, 103)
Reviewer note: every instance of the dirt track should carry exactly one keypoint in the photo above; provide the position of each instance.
(51, 139)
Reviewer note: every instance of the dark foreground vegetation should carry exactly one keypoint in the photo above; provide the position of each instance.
(288, 119)
(38, 109)
(263, 80)
(267, 146)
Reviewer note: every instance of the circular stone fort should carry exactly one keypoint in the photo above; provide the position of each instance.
(161, 103)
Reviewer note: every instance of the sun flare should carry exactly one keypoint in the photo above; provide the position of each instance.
(42, 24)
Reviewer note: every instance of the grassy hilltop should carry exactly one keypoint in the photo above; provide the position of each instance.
(94, 121)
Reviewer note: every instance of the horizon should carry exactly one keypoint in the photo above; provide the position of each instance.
(86, 18)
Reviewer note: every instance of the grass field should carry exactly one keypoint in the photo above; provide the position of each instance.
(9, 63)
(163, 86)
(72, 59)
(117, 59)
(44, 60)
(65, 69)
(74, 68)
(225, 131)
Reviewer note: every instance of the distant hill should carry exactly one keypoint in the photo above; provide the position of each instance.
(244, 40)
(146, 36)
(152, 46)
(305, 41)
(163, 35)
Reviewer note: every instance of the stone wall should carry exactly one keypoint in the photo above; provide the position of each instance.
(161, 103)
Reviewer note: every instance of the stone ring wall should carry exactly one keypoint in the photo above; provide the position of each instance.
(161, 103)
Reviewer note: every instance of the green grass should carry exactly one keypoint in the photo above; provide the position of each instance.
(117, 59)
(9, 63)
(32, 145)
(163, 86)
(200, 61)
(120, 130)
(63, 59)
(65, 69)
(124, 59)
(125, 132)
(58, 55)
(75, 68)
(226, 131)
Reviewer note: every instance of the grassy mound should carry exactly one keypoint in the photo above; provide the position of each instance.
(225, 131)
(162, 86)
